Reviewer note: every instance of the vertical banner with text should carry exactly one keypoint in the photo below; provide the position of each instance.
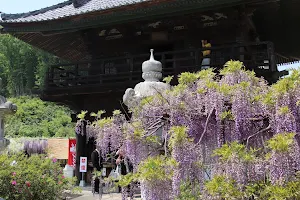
(72, 153)
(83, 164)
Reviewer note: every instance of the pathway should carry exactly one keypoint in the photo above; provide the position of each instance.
(88, 195)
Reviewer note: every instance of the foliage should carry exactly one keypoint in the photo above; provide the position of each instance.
(226, 115)
(36, 177)
(22, 67)
(82, 115)
(189, 190)
(232, 67)
(36, 118)
(156, 169)
(152, 169)
(233, 135)
(187, 78)
(277, 192)
(127, 179)
(222, 188)
(168, 79)
(282, 142)
(234, 149)
(178, 135)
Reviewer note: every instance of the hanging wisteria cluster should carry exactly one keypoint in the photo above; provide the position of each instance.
(28, 145)
(108, 132)
(222, 136)
(36, 146)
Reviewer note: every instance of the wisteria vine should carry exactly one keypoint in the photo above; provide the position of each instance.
(226, 133)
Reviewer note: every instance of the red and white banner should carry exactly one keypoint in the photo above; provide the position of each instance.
(72, 153)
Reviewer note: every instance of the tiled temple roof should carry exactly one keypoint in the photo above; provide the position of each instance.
(68, 8)
(77, 7)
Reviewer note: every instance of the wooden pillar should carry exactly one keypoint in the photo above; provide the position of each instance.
(80, 151)
(271, 54)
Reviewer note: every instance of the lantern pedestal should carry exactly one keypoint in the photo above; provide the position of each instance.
(6, 108)
(68, 171)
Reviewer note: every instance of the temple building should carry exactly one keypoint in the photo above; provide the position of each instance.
(103, 43)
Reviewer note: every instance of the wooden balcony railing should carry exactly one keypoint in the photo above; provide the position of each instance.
(123, 72)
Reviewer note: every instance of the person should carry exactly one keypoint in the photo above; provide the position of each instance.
(126, 167)
(97, 165)
(97, 160)
(206, 54)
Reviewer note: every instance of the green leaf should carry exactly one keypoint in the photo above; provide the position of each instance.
(281, 142)
(284, 110)
(168, 79)
(82, 115)
(232, 67)
(178, 136)
(186, 78)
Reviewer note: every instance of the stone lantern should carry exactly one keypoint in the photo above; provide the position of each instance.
(152, 74)
(6, 108)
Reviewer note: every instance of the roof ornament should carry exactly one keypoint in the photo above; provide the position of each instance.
(79, 3)
(152, 74)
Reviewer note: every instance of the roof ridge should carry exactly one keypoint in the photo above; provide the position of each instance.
(43, 10)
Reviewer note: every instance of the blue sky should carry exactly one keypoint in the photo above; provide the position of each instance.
(20, 6)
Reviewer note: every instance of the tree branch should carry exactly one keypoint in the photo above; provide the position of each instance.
(165, 143)
(205, 127)
(255, 119)
(154, 125)
(257, 133)
(121, 103)
(160, 94)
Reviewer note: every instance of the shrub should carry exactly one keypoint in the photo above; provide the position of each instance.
(37, 118)
(36, 177)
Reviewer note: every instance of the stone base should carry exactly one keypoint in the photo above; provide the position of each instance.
(68, 171)
(146, 89)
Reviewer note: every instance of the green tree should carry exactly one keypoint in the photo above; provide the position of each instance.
(22, 67)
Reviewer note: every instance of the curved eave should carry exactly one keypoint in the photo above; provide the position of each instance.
(121, 15)
(10, 18)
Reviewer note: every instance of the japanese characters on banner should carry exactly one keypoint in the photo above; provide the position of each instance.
(83, 164)
(72, 153)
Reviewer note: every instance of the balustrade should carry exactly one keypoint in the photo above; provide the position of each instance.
(123, 72)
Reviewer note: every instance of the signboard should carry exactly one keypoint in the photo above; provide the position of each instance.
(72, 153)
(58, 148)
(83, 164)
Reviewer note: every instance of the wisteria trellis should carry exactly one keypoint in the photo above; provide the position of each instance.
(229, 128)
